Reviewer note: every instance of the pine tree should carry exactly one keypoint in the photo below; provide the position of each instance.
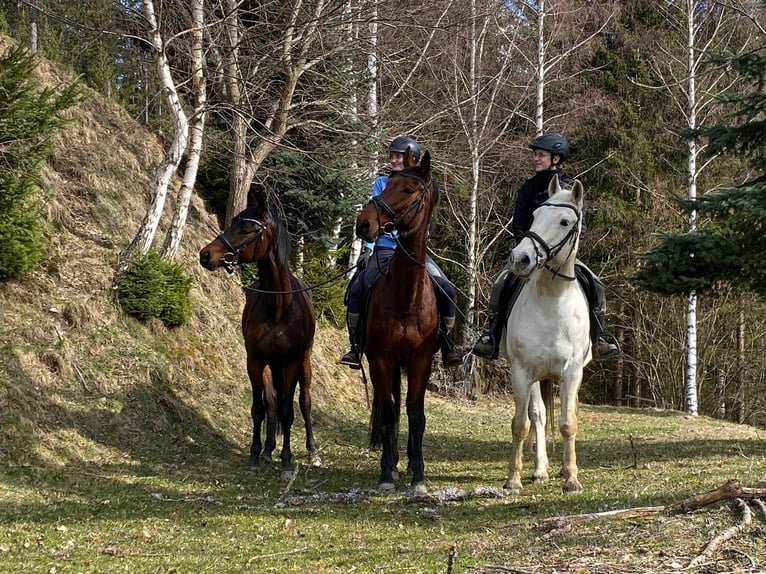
(28, 115)
(730, 247)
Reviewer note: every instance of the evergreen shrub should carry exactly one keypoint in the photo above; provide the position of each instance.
(151, 287)
(28, 117)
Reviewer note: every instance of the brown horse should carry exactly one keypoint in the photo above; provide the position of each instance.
(402, 322)
(278, 326)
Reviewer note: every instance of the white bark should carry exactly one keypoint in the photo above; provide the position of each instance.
(197, 130)
(144, 238)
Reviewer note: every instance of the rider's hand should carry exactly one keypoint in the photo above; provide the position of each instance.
(361, 262)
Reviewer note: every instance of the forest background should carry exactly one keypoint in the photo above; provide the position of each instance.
(298, 99)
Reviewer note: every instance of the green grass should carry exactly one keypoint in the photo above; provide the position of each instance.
(177, 501)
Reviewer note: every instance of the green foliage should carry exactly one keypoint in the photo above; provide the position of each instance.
(730, 246)
(28, 116)
(330, 285)
(152, 287)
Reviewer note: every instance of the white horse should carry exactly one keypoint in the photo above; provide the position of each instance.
(547, 337)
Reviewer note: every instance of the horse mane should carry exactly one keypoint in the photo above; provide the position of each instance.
(281, 242)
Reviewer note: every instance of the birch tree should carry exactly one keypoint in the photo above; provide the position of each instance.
(701, 27)
(145, 236)
(197, 131)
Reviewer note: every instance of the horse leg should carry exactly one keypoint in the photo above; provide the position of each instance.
(537, 413)
(285, 382)
(570, 385)
(520, 427)
(262, 402)
(384, 423)
(304, 401)
(417, 380)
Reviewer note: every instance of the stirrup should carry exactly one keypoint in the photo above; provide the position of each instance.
(606, 350)
(451, 358)
(351, 360)
(485, 347)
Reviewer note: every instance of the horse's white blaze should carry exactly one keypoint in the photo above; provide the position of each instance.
(548, 331)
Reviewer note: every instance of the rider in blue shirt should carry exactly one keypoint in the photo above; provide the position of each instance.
(550, 151)
(374, 261)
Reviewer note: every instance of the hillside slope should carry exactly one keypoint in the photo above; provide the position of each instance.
(75, 373)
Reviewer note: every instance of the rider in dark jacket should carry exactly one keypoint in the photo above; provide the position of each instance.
(550, 152)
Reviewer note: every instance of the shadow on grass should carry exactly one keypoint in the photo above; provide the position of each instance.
(175, 455)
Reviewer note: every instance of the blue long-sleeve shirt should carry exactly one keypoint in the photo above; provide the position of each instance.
(386, 240)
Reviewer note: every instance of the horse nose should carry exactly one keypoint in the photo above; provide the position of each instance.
(363, 229)
(204, 257)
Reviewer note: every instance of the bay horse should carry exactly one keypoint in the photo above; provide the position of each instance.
(278, 326)
(402, 319)
(547, 335)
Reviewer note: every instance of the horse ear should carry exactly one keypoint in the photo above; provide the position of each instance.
(409, 158)
(425, 163)
(554, 186)
(577, 192)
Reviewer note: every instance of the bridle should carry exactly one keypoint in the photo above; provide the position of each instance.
(546, 252)
(230, 259)
(398, 217)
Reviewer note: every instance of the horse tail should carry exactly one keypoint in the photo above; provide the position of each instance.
(385, 414)
(546, 390)
(275, 396)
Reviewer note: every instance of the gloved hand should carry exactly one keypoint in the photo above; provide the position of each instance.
(361, 263)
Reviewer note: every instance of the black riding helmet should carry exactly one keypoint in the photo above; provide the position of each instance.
(402, 143)
(554, 143)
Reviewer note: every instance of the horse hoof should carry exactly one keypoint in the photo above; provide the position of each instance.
(254, 467)
(540, 477)
(419, 489)
(386, 487)
(395, 475)
(571, 485)
(266, 458)
(287, 474)
(514, 487)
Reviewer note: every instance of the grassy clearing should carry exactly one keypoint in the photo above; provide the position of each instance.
(123, 446)
(183, 501)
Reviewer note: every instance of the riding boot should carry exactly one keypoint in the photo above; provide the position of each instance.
(352, 359)
(450, 356)
(487, 345)
(603, 349)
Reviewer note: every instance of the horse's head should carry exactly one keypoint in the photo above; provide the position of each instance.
(555, 232)
(404, 206)
(252, 235)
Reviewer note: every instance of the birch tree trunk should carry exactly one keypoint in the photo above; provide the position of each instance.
(691, 309)
(144, 238)
(197, 130)
(372, 111)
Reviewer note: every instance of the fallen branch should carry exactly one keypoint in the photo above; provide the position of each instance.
(730, 489)
(727, 534)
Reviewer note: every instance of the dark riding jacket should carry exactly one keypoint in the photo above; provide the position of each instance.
(533, 193)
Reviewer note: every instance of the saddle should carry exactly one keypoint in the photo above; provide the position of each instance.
(371, 277)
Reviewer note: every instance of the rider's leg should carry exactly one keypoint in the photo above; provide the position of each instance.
(355, 298)
(445, 300)
(486, 346)
(596, 295)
